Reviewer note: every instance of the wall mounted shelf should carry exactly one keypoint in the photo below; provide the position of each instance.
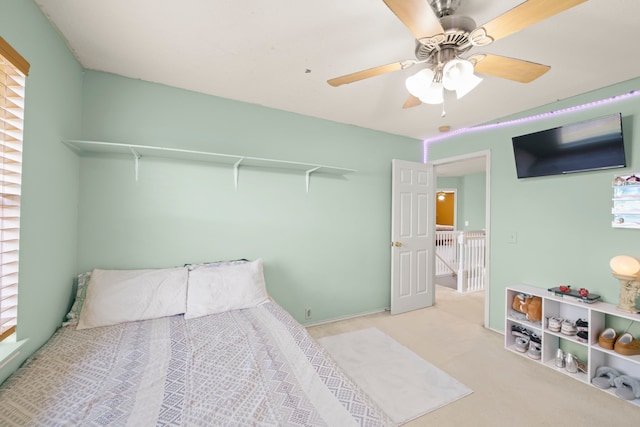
(138, 151)
(626, 201)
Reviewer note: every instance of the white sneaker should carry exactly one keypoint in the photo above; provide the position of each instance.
(535, 350)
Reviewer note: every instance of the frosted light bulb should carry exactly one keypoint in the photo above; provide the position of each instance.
(625, 265)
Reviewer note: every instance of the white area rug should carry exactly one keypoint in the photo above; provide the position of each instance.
(403, 384)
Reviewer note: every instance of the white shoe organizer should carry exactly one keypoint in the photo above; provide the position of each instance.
(599, 315)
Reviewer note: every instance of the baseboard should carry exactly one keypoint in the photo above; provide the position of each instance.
(350, 316)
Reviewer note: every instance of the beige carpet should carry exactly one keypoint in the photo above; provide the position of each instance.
(404, 385)
(508, 389)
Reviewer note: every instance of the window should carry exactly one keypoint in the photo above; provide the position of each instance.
(13, 71)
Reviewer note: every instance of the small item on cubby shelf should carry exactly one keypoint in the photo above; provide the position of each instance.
(555, 324)
(589, 299)
(582, 325)
(522, 332)
(529, 305)
(627, 388)
(570, 363)
(604, 377)
(519, 331)
(565, 289)
(522, 344)
(618, 180)
(607, 338)
(583, 336)
(568, 328)
(559, 361)
(633, 179)
(627, 345)
(535, 350)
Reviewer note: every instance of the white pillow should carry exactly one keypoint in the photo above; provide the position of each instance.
(118, 296)
(222, 288)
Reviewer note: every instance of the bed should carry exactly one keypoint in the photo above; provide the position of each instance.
(227, 366)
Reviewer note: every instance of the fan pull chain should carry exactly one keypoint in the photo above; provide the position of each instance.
(444, 113)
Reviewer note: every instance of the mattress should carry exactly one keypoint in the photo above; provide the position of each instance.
(254, 366)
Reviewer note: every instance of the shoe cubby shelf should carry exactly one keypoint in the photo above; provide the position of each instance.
(589, 352)
(139, 151)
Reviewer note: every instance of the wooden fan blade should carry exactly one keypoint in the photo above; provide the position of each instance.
(417, 16)
(411, 102)
(371, 72)
(526, 14)
(508, 68)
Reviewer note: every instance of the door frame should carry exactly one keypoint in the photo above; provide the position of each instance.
(487, 218)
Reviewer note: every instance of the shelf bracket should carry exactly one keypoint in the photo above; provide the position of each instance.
(136, 161)
(236, 170)
(308, 178)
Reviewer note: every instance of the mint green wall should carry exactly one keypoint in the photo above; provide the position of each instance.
(48, 235)
(474, 201)
(470, 199)
(328, 249)
(563, 223)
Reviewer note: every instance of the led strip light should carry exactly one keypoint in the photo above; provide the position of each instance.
(528, 119)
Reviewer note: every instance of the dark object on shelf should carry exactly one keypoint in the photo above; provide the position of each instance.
(589, 299)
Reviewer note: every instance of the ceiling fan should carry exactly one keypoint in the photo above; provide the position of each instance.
(442, 37)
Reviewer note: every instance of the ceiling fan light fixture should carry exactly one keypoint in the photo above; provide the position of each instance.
(418, 84)
(455, 72)
(433, 94)
(467, 85)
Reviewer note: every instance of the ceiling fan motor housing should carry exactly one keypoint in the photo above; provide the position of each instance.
(456, 36)
(445, 7)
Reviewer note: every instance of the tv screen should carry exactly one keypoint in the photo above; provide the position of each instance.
(578, 147)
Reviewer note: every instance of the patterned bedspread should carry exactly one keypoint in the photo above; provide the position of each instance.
(245, 367)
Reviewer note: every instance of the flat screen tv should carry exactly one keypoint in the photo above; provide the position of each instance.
(578, 147)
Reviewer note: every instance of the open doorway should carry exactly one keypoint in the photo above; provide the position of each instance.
(469, 176)
(446, 211)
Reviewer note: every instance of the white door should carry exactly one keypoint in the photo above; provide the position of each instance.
(412, 236)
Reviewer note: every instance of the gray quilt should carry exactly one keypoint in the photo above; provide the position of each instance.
(253, 367)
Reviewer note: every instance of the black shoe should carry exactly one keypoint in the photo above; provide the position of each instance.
(519, 331)
(535, 338)
(582, 325)
(583, 336)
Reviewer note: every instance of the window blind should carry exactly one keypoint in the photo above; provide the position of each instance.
(13, 71)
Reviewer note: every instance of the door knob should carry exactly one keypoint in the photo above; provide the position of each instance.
(397, 244)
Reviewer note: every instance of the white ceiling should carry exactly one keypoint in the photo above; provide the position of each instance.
(280, 53)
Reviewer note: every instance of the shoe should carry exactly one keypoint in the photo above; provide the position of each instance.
(555, 324)
(627, 345)
(519, 331)
(559, 360)
(627, 387)
(535, 350)
(583, 336)
(570, 363)
(535, 338)
(522, 344)
(607, 338)
(605, 377)
(568, 328)
(582, 325)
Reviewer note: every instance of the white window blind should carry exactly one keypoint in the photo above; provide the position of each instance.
(13, 72)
